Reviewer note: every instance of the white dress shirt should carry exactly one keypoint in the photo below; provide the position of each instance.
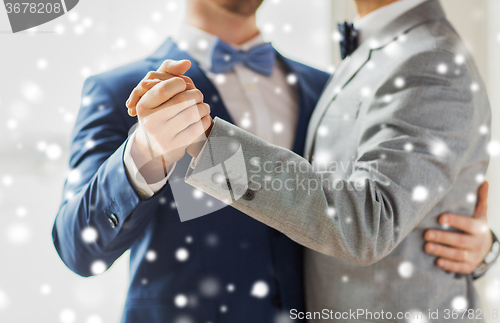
(375, 21)
(265, 106)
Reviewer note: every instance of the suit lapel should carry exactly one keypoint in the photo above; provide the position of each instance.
(428, 11)
(169, 50)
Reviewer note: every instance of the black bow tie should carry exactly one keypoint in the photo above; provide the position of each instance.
(348, 39)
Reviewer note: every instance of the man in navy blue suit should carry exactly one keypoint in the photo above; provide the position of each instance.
(225, 267)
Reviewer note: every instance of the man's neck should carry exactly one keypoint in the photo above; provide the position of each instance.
(365, 7)
(228, 26)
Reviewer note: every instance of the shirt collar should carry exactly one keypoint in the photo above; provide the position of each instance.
(198, 44)
(375, 21)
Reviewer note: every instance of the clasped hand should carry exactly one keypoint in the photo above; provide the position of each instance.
(173, 119)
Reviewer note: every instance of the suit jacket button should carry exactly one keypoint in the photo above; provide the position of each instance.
(239, 189)
(249, 195)
(113, 220)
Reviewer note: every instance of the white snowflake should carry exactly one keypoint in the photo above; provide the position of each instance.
(45, 289)
(278, 127)
(18, 233)
(53, 151)
(183, 45)
(223, 309)
(348, 220)
(254, 161)
(471, 198)
(492, 292)
(480, 178)
(212, 240)
(197, 194)
(210, 287)
(336, 36)
(345, 278)
(408, 146)
(98, 267)
(67, 316)
(89, 235)
(387, 98)
(402, 38)
(181, 300)
(420, 193)
(182, 254)
(474, 87)
(332, 212)
(86, 71)
(459, 59)
(442, 68)
(171, 6)
(59, 29)
(4, 301)
(323, 131)
(287, 28)
(12, 124)
(268, 28)
(7, 180)
(42, 63)
(231, 288)
(87, 22)
(246, 122)
(202, 44)
(21, 211)
(79, 29)
(399, 82)
(156, 16)
(32, 92)
(405, 269)
(74, 176)
(459, 303)
(365, 91)
(374, 44)
(260, 289)
(94, 319)
(120, 43)
(73, 16)
(484, 130)
(493, 148)
(291, 79)
(151, 255)
(439, 148)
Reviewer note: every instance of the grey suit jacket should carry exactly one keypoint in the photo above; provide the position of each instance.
(398, 138)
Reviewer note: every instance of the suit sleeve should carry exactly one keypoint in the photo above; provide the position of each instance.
(98, 196)
(362, 218)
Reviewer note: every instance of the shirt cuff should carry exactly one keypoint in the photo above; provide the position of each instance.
(142, 188)
(194, 161)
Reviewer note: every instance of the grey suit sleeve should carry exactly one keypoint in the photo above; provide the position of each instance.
(409, 155)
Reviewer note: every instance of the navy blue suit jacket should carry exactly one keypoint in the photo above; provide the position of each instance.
(225, 247)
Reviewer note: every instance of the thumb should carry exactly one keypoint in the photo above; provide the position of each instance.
(175, 67)
(482, 201)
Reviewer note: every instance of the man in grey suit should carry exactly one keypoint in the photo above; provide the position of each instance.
(398, 138)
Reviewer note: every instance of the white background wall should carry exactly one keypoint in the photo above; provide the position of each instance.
(41, 75)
